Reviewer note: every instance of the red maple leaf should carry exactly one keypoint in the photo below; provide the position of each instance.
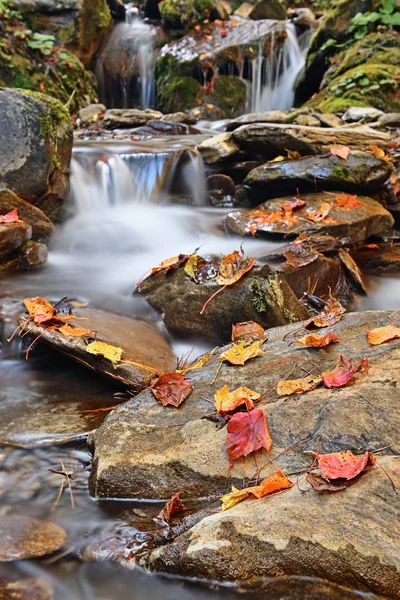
(10, 217)
(247, 432)
(171, 389)
(343, 372)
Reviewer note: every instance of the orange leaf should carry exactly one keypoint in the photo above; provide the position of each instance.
(274, 483)
(172, 507)
(293, 204)
(39, 309)
(341, 151)
(171, 263)
(226, 401)
(247, 432)
(379, 335)
(343, 373)
(379, 153)
(10, 217)
(74, 331)
(240, 353)
(171, 389)
(248, 331)
(313, 340)
(297, 386)
(320, 214)
(347, 202)
(331, 314)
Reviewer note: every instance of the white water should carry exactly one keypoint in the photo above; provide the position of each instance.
(273, 78)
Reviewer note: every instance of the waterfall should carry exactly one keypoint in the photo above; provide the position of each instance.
(273, 77)
(124, 68)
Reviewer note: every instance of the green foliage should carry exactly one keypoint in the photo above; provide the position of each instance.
(362, 23)
(42, 42)
(360, 79)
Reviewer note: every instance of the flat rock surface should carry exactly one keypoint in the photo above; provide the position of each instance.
(349, 226)
(129, 117)
(349, 537)
(360, 173)
(145, 450)
(23, 537)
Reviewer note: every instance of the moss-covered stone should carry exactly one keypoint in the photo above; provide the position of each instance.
(94, 23)
(185, 14)
(228, 94)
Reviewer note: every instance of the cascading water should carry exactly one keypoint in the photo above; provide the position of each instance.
(273, 77)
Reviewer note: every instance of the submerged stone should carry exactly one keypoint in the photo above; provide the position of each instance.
(23, 537)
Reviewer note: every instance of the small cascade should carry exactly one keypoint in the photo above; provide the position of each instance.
(124, 68)
(272, 78)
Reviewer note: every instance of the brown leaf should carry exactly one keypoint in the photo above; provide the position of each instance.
(171, 389)
(226, 401)
(380, 335)
(240, 353)
(331, 314)
(313, 340)
(320, 214)
(298, 255)
(171, 508)
(248, 331)
(289, 387)
(233, 267)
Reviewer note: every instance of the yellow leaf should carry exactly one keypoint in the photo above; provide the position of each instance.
(277, 159)
(240, 353)
(296, 386)
(229, 500)
(112, 353)
(271, 484)
(379, 335)
(200, 362)
(226, 401)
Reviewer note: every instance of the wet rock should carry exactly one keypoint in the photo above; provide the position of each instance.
(270, 116)
(361, 113)
(220, 187)
(36, 147)
(324, 271)
(12, 236)
(219, 148)
(303, 17)
(29, 256)
(129, 117)
(268, 9)
(28, 588)
(183, 14)
(23, 537)
(179, 117)
(145, 351)
(378, 258)
(271, 140)
(348, 226)
(144, 450)
(158, 127)
(299, 532)
(41, 225)
(91, 113)
(360, 173)
(261, 295)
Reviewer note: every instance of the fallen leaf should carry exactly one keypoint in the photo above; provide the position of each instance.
(74, 331)
(240, 353)
(112, 353)
(347, 202)
(293, 154)
(298, 255)
(10, 217)
(343, 465)
(171, 508)
(329, 315)
(372, 246)
(320, 214)
(39, 309)
(248, 331)
(166, 265)
(274, 483)
(293, 204)
(200, 362)
(226, 401)
(171, 389)
(277, 159)
(380, 335)
(199, 269)
(289, 387)
(319, 484)
(313, 340)
(379, 153)
(341, 151)
(257, 219)
(247, 432)
(343, 373)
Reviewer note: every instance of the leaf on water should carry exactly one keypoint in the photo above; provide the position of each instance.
(320, 214)
(171, 508)
(10, 217)
(343, 373)
(380, 335)
(248, 331)
(313, 340)
(171, 389)
(379, 153)
(291, 205)
(274, 483)
(347, 202)
(341, 151)
(329, 315)
(199, 269)
(39, 309)
(226, 401)
(240, 353)
(289, 387)
(74, 331)
(112, 353)
(247, 432)
(298, 255)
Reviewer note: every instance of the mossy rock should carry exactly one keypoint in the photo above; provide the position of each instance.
(184, 14)
(372, 84)
(94, 23)
(228, 94)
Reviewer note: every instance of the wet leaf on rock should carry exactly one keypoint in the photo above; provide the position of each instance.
(343, 373)
(240, 353)
(10, 217)
(226, 401)
(313, 340)
(274, 483)
(112, 353)
(248, 331)
(171, 389)
(329, 315)
(171, 508)
(39, 309)
(247, 432)
(200, 362)
(320, 213)
(289, 387)
(380, 335)
(291, 205)
(347, 202)
(338, 470)
(379, 153)
(298, 255)
(166, 265)
(199, 269)
(74, 331)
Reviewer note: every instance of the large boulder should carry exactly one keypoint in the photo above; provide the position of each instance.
(261, 295)
(348, 538)
(360, 173)
(145, 450)
(35, 148)
(349, 226)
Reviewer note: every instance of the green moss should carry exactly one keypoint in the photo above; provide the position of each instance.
(94, 24)
(258, 297)
(228, 94)
(57, 117)
(184, 14)
(176, 89)
(340, 173)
